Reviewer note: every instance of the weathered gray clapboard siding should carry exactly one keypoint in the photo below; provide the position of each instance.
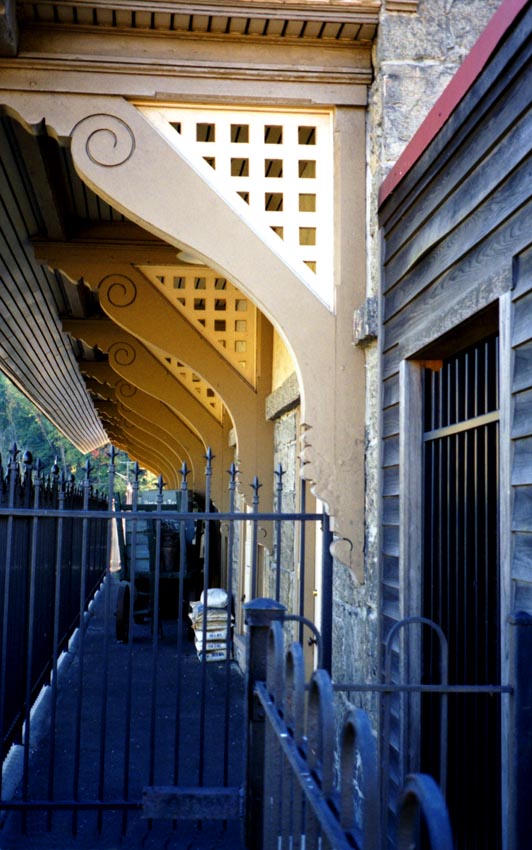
(521, 325)
(390, 540)
(390, 391)
(496, 225)
(522, 413)
(453, 230)
(390, 510)
(470, 293)
(488, 138)
(390, 481)
(433, 294)
(522, 372)
(522, 509)
(481, 200)
(521, 432)
(390, 450)
(522, 461)
(29, 297)
(390, 533)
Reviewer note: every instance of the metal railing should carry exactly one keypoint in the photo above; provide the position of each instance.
(50, 564)
(323, 791)
(150, 658)
(303, 788)
(317, 791)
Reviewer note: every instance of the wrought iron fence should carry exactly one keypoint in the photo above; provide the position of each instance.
(176, 750)
(318, 792)
(50, 564)
(302, 788)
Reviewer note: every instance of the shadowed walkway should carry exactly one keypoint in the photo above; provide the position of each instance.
(127, 727)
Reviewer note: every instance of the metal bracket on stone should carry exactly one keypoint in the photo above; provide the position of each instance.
(365, 322)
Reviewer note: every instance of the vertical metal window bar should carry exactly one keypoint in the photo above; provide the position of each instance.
(461, 557)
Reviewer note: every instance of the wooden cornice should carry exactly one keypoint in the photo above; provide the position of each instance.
(351, 20)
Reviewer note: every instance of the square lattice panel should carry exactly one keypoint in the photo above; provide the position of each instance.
(281, 165)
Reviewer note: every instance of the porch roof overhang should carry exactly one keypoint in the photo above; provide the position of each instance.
(69, 57)
(53, 221)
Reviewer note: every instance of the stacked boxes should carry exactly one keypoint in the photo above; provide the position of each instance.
(212, 617)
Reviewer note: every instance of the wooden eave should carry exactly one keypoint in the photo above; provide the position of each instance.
(344, 21)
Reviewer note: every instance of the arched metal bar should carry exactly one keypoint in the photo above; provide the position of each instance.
(317, 634)
(320, 729)
(358, 738)
(421, 793)
(444, 667)
(295, 692)
(424, 621)
(275, 664)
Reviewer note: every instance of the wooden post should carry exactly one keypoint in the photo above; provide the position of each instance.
(259, 614)
(520, 790)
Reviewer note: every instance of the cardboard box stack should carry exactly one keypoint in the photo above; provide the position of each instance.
(214, 615)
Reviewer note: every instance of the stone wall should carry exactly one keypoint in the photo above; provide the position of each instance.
(415, 56)
(286, 456)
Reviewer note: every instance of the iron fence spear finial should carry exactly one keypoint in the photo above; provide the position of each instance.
(232, 471)
(209, 457)
(255, 485)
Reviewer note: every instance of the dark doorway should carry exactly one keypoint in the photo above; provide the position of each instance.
(461, 583)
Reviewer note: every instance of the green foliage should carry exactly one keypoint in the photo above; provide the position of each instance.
(22, 423)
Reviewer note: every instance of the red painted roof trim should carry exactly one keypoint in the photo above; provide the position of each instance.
(460, 84)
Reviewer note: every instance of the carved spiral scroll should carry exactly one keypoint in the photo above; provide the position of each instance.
(117, 290)
(125, 390)
(122, 354)
(109, 141)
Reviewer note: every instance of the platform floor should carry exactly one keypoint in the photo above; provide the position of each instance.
(93, 686)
